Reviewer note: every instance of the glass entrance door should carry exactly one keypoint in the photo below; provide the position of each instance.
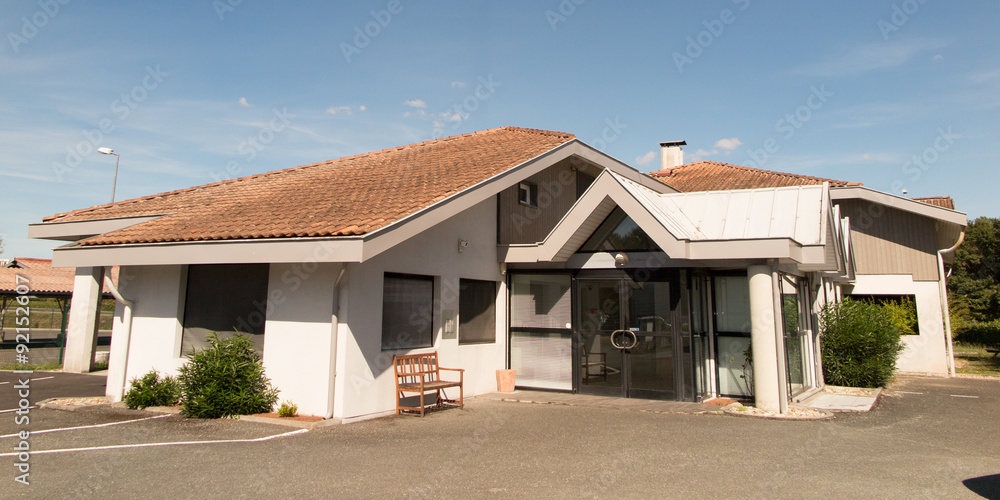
(628, 343)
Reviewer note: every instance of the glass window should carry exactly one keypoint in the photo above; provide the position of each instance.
(540, 301)
(619, 233)
(527, 194)
(540, 337)
(407, 311)
(477, 313)
(224, 298)
(732, 304)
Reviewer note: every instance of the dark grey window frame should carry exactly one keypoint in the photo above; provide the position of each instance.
(226, 299)
(394, 337)
(471, 323)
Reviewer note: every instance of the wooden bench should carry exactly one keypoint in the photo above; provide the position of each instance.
(420, 373)
(994, 350)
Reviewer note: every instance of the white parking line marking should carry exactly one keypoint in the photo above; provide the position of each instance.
(43, 378)
(147, 445)
(914, 393)
(87, 426)
(2, 383)
(15, 409)
(961, 396)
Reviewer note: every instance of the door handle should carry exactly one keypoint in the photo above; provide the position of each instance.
(620, 342)
(635, 339)
(615, 337)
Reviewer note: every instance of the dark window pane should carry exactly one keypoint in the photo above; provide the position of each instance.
(407, 311)
(619, 233)
(224, 298)
(477, 316)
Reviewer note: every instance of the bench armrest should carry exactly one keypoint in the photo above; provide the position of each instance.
(461, 372)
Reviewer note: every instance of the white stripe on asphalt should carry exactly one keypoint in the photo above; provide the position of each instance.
(86, 426)
(914, 393)
(15, 409)
(961, 396)
(146, 445)
(43, 378)
(2, 383)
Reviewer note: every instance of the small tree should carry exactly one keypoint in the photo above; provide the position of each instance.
(861, 344)
(226, 379)
(152, 390)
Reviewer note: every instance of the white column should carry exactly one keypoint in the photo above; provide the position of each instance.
(84, 312)
(766, 383)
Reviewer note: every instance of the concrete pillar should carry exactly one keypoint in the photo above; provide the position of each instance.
(84, 313)
(766, 380)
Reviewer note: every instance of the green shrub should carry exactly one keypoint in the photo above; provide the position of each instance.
(903, 314)
(288, 409)
(153, 390)
(226, 379)
(982, 333)
(860, 344)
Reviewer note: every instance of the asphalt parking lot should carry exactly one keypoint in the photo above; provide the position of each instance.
(927, 438)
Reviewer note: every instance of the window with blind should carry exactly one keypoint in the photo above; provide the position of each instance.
(477, 312)
(541, 335)
(407, 311)
(226, 299)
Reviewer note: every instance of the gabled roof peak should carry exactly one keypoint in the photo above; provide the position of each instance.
(718, 176)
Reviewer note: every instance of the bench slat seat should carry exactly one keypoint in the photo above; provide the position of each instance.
(420, 373)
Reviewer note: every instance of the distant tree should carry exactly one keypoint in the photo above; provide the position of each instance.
(975, 281)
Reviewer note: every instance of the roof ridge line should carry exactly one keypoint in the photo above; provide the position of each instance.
(275, 172)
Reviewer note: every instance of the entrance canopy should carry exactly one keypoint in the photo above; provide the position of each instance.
(795, 225)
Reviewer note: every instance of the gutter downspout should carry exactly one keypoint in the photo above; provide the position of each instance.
(335, 322)
(943, 292)
(126, 325)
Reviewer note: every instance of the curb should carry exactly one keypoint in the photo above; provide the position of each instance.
(47, 403)
(732, 411)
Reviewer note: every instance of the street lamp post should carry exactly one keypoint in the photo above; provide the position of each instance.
(109, 151)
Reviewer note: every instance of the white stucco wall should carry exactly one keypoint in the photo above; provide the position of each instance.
(330, 366)
(300, 336)
(156, 325)
(926, 352)
(364, 372)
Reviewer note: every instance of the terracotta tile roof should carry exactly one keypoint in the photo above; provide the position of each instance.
(938, 201)
(348, 196)
(42, 277)
(715, 176)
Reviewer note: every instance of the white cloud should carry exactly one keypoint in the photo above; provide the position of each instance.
(728, 144)
(452, 117)
(339, 110)
(872, 56)
(244, 103)
(937, 57)
(700, 155)
(416, 103)
(361, 108)
(646, 158)
(458, 85)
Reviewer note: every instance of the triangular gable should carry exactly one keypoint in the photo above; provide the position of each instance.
(792, 225)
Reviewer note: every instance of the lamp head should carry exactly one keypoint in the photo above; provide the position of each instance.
(106, 151)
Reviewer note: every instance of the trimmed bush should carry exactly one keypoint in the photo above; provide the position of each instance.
(288, 409)
(226, 379)
(986, 333)
(861, 343)
(153, 390)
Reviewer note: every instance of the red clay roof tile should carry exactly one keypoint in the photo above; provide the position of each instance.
(349, 196)
(43, 279)
(938, 201)
(715, 176)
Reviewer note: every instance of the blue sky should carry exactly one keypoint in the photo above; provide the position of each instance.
(190, 92)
